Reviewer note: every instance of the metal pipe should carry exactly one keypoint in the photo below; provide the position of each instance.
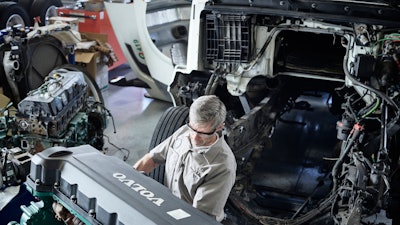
(9, 70)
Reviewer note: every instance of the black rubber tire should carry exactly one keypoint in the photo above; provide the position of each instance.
(40, 7)
(170, 121)
(26, 4)
(12, 9)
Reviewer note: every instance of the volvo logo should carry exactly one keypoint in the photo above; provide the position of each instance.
(138, 188)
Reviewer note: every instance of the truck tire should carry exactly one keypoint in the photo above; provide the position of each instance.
(171, 120)
(45, 9)
(26, 4)
(12, 14)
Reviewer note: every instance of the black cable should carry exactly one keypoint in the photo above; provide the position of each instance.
(126, 156)
(112, 118)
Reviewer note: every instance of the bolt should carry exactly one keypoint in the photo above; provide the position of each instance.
(73, 198)
(241, 129)
(92, 213)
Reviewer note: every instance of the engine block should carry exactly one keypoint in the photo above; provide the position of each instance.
(48, 110)
(97, 189)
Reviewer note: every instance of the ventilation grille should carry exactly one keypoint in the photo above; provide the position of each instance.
(227, 38)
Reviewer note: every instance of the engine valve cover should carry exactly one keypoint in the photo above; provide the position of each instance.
(105, 190)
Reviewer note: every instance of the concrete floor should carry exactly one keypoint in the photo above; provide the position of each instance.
(135, 117)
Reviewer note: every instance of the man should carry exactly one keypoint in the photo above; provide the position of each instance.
(200, 167)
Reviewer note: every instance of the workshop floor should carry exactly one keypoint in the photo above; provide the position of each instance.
(135, 117)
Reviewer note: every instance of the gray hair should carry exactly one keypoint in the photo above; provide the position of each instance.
(206, 109)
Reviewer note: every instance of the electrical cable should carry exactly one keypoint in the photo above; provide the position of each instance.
(126, 155)
(373, 108)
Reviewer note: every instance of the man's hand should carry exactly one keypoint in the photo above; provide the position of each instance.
(145, 164)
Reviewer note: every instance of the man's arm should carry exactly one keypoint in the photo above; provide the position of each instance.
(145, 164)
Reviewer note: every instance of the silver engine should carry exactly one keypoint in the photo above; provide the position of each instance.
(59, 113)
(48, 109)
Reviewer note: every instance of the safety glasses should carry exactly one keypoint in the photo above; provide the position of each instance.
(200, 132)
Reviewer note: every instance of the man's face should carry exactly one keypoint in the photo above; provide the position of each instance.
(202, 134)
